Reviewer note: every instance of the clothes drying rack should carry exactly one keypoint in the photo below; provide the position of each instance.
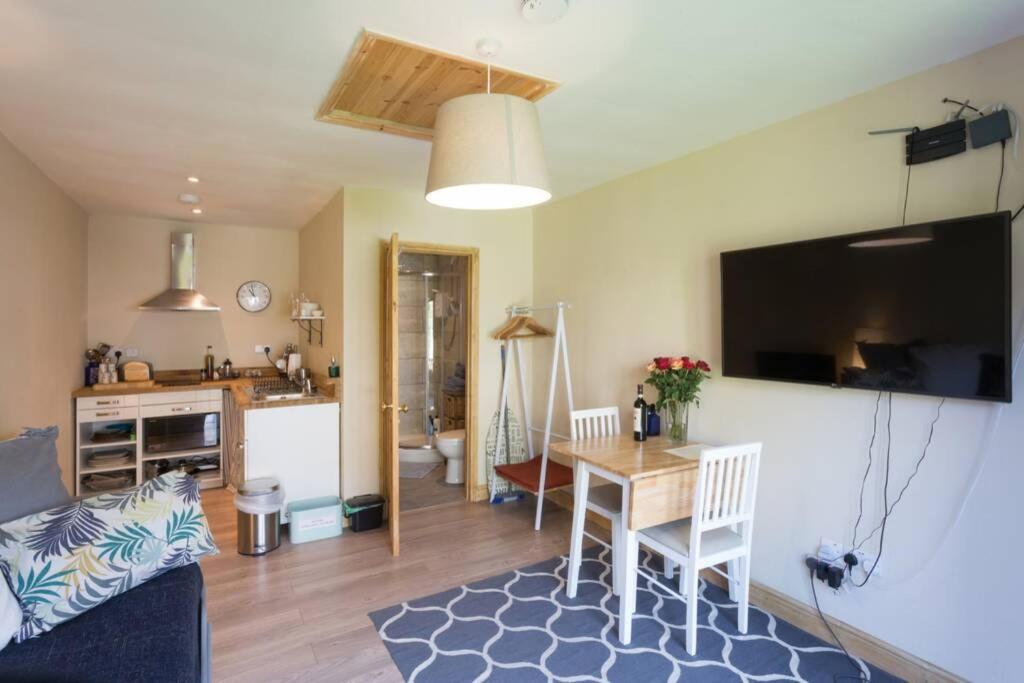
(538, 474)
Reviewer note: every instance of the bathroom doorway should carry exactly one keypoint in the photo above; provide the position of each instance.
(435, 289)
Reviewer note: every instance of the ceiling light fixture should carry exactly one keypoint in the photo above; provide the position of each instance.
(197, 210)
(487, 151)
(192, 179)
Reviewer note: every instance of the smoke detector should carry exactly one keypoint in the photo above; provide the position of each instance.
(544, 11)
(188, 198)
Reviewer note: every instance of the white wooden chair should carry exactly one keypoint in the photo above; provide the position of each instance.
(720, 530)
(605, 500)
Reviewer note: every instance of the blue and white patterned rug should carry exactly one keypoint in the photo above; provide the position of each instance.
(521, 627)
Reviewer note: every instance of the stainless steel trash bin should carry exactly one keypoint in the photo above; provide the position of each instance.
(258, 503)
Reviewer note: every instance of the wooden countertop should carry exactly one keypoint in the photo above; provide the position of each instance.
(627, 458)
(329, 389)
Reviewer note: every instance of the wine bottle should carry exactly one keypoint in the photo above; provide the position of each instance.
(639, 415)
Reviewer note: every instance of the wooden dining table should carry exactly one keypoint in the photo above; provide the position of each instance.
(658, 479)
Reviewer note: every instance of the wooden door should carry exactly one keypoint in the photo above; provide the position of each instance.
(389, 383)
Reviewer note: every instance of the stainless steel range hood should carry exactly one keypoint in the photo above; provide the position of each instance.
(182, 295)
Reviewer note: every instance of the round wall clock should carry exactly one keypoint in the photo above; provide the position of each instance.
(253, 296)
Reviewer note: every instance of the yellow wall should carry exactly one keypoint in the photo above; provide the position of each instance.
(638, 260)
(505, 241)
(320, 263)
(42, 309)
(129, 262)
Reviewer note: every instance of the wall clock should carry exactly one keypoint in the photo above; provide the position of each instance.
(253, 296)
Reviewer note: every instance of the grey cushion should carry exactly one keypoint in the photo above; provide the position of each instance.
(29, 475)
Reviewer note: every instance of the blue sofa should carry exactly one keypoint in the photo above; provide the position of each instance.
(156, 632)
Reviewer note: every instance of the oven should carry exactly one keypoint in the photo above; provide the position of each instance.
(170, 434)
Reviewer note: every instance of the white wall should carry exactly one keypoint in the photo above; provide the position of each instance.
(505, 242)
(638, 260)
(42, 308)
(129, 262)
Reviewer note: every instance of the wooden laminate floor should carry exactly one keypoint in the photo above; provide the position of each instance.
(428, 491)
(299, 613)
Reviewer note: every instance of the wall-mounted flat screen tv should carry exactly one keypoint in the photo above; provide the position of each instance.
(921, 309)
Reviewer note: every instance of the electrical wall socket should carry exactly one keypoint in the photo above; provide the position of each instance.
(259, 347)
(866, 561)
(830, 550)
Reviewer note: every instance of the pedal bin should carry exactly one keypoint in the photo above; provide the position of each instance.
(258, 503)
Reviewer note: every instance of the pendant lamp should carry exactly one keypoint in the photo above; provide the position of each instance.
(487, 154)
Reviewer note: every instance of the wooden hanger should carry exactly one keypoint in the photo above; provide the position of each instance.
(520, 327)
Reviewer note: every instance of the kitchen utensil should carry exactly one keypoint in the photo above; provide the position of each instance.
(307, 386)
(294, 363)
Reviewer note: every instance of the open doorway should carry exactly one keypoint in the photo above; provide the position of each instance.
(433, 349)
(429, 299)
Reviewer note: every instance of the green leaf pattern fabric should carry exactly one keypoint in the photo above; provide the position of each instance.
(63, 562)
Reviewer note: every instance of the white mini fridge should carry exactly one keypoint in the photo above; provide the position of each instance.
(298, 445)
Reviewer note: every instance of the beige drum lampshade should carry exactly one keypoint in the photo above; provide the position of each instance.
(487, 154)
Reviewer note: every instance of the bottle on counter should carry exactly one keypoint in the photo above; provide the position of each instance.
(653, 421)
(208, 361)
(639, 415)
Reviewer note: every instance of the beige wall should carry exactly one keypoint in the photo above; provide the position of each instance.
(506, 255)
(320, 279)
(42, 310)
(638, 260)
(129, 262)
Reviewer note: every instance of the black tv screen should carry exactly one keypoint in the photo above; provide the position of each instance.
(921, 309)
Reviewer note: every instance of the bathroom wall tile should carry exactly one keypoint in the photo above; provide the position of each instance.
(412, 395)
(412, 345)
(411, 371)
(410, 319)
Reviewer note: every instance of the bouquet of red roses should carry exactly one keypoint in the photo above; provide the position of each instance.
(678, 383)
(678, 379)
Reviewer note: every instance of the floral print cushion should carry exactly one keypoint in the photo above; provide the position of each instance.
(65, 561)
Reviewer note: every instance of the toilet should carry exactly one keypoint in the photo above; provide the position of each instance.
(452, 445)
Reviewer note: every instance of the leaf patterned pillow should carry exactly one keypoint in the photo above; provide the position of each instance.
(65, 561)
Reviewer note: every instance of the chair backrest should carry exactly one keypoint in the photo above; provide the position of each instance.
(726, 486)
(587, 424)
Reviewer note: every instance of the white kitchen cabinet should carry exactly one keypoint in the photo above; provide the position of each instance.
(96, 414)
(298, 445)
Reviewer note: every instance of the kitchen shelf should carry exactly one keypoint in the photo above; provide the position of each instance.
(209, 479)
(106, 444)
(310, 326)
(169, 455)
(112, 468)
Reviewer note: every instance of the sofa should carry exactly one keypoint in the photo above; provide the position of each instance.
(116, 642)
(155, 632)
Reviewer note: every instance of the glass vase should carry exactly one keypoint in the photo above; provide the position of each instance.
(678, 415)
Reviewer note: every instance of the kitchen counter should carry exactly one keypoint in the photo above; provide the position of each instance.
(329, 392)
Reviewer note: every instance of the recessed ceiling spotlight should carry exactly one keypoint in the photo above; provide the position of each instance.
(192, 179)
(197, 210)
(544, 11)
(186, 198)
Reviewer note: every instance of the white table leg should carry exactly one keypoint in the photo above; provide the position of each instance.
(628, 555)
(579, 517)
(732, 568)
(617, 555)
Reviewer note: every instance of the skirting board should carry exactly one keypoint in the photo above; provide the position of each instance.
(801, 615)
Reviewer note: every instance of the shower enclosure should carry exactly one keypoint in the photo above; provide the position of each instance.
(432, 353)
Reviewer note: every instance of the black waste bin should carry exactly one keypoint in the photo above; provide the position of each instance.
(365, 512)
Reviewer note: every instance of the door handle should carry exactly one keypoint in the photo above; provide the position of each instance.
(404, 408)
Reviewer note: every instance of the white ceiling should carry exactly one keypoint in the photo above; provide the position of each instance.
(119, 100)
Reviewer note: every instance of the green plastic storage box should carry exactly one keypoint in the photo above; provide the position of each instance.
(314, 519)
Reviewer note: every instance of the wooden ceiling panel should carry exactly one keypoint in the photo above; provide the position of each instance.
(396, 87)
